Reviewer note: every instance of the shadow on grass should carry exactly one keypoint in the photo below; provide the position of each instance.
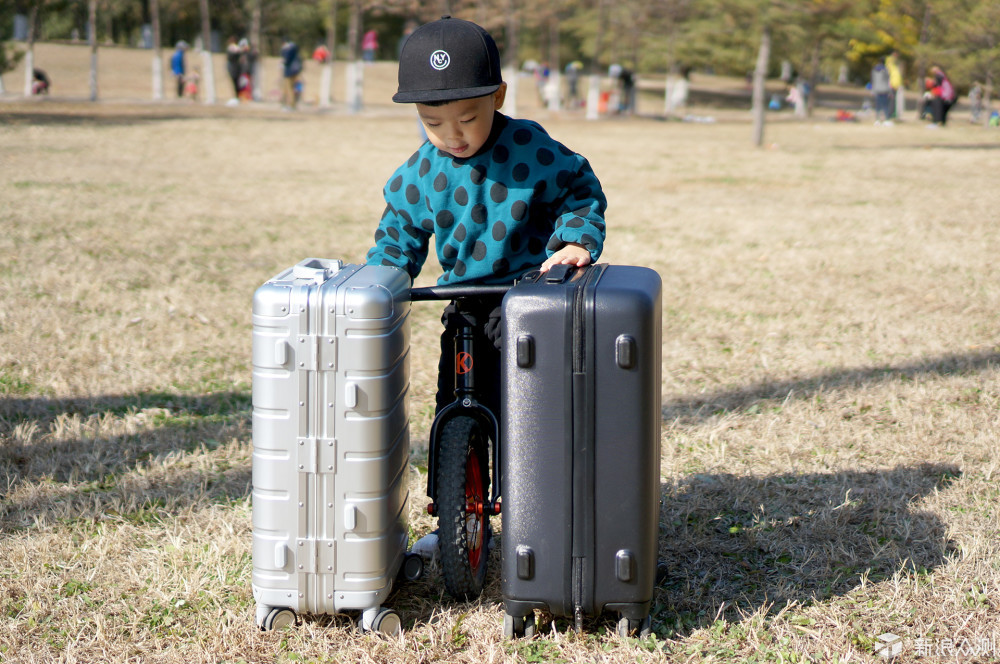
(738, 545)
(923, 146)
(79, 458)
(695, 409)
(79, 115)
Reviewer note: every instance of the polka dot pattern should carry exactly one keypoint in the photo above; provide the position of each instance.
(494, 215)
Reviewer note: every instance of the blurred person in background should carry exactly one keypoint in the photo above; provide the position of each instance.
(177, 66)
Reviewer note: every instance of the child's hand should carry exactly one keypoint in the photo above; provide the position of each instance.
(570, 254)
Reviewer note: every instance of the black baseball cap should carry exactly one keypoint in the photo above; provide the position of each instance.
(448, 60)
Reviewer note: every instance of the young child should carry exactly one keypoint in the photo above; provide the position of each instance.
(192, 84)
(499, 196)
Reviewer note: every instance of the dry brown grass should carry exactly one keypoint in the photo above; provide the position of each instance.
(830, 394)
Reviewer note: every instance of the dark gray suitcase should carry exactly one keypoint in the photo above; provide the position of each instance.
(580, 460)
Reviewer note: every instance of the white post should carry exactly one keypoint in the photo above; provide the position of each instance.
(29, 68)
(326, 84)
(553, 92)
(209, 80)
(510, 101)
(800, 100)
(157, 76)
(668, 97)
(355, 85)
(593, 97)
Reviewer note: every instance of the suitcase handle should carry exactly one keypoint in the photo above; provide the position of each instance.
(559, 273)
(317, 269)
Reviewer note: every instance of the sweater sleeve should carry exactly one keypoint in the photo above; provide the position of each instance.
(398, 241)
(580, 212)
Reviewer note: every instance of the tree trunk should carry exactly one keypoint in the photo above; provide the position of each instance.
(207, 83)
(759, 91)
(510, 59)
(29, 52)
(92, 21)
(925, 36)
(900, 93)
(355, 75)
(552, 90)
(987, 98)
(154, 17)
(594, 86)
(326, 82)
(256, 48)
(813, 77)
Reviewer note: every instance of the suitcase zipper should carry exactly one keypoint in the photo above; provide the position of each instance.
(583, 444)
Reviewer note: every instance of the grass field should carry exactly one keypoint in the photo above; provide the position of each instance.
(830, 384)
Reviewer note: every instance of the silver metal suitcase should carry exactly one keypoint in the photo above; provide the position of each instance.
(330, 441)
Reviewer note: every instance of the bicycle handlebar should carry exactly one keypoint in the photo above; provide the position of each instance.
(456, 292)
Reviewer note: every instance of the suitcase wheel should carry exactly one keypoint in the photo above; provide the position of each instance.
(628, 627)
(384, 621)
(278, 618)
(516, 627)
(413, 567)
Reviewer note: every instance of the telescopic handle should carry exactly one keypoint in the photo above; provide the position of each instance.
(456, 292)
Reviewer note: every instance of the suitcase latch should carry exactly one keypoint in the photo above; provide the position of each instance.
(625, 566)
(525, 351)
(525, 558)
(625, 351)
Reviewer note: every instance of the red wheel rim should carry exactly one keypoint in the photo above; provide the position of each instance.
(475, 516)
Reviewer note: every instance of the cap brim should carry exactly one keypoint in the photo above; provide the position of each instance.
(427, 96)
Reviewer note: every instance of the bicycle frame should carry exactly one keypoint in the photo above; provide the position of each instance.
(466, 402)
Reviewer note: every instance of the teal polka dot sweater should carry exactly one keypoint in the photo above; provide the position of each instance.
(495, 215)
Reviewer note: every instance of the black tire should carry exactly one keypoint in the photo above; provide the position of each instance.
(412, 568)
(463, 478)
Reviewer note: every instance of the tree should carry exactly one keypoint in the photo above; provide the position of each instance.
(29, 51)
(206, 53)
(819, 23)
(92, 39)
(510, 39)
(154, 16)
(256, 48)
(9, 56)
(972, 41)
(759, 81)
(326, 82)
(355, 68)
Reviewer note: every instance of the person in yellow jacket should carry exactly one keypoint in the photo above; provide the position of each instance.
(896, 101)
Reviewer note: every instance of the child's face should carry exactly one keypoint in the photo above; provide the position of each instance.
(460, 128)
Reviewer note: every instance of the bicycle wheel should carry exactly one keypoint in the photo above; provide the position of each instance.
(462, 480)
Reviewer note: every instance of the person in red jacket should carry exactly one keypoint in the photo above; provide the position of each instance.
(942, 95)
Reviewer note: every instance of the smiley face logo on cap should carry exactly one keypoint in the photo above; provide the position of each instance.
(440, 60)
